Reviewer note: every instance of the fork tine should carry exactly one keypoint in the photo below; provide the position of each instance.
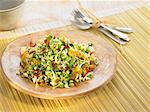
(73, 13)
(77, 13)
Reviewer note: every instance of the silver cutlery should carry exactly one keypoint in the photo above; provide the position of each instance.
(123, 29)
(85, 26)
(83, 22)
(107, 33)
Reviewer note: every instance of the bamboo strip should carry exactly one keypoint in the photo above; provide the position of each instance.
(129, 90)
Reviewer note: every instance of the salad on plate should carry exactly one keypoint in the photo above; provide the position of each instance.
(58, 62)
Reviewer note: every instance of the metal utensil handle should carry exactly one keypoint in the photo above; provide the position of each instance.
(123, 29)
(107, 33)
(115, 32)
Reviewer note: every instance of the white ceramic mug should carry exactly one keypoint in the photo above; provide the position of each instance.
(10, 13)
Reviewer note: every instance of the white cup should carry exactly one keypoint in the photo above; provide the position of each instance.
(11, 14)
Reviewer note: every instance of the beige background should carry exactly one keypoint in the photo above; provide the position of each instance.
(55, 13)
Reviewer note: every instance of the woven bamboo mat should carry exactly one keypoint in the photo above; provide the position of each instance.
(129, 90)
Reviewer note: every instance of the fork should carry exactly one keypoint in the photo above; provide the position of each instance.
(81, 19)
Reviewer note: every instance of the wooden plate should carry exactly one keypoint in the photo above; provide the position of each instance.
(104, 72)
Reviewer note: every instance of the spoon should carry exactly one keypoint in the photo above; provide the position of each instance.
(86, 26)
(81, 18)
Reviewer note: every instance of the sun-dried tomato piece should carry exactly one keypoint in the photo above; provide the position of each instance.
(31, 44)
(66, 47)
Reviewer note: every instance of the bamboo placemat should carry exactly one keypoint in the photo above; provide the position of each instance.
(129, 90)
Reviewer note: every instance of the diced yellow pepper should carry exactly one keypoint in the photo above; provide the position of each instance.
(23, 56)
(77, 70)
(74, 53)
